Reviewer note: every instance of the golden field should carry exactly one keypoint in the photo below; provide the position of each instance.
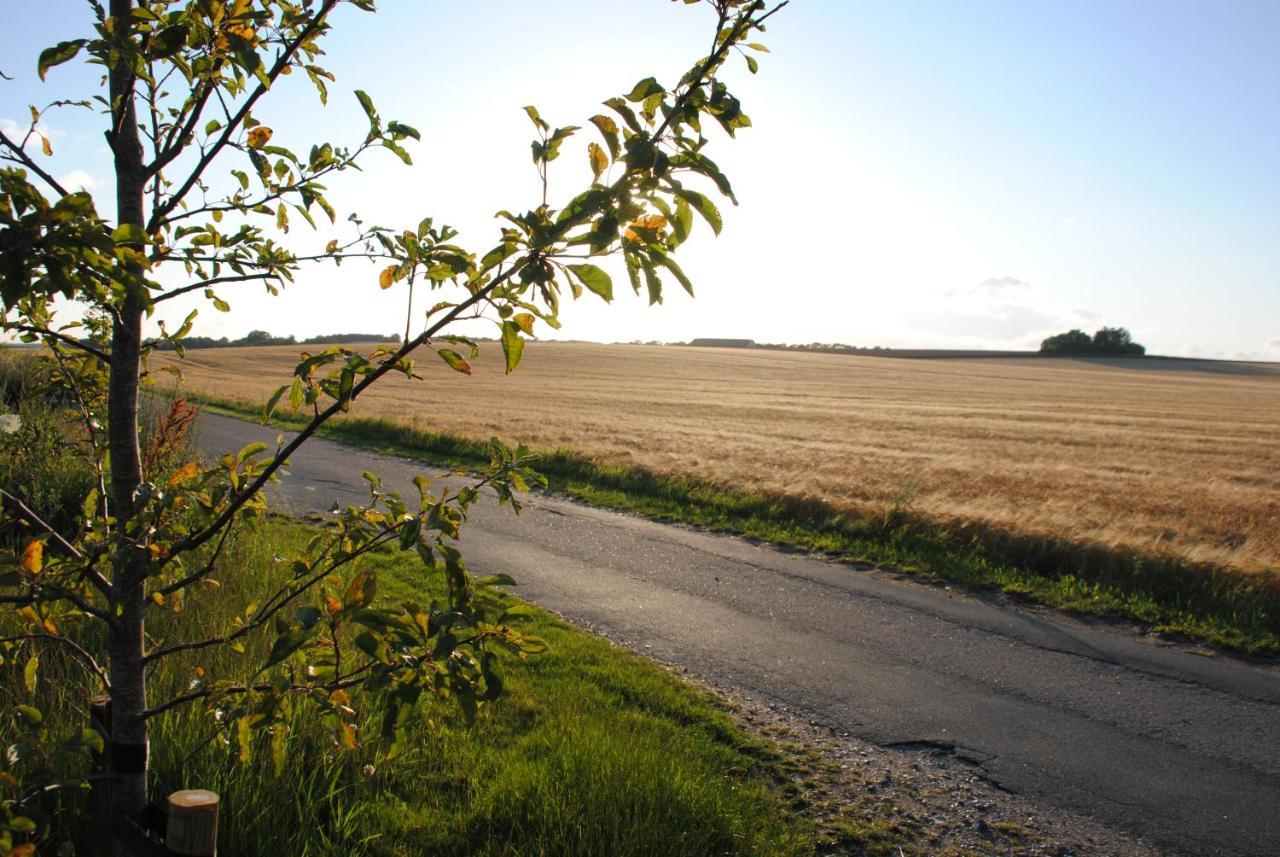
(1165, 456)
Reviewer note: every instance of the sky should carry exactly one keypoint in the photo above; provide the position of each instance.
(919, 174)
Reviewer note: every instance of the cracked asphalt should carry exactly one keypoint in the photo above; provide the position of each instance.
(1157, 740)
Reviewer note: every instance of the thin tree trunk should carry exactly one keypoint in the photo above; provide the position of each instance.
(125, 648)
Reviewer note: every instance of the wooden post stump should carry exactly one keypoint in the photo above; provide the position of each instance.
(193, 823)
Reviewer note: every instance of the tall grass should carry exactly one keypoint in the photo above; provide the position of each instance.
(592, 751)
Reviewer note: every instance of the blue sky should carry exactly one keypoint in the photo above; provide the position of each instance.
(919, 174)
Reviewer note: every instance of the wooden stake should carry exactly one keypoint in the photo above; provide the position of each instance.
(193, 823)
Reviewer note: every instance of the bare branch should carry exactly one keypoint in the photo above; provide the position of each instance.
(60, 337)
(351, 679)
(20, 155)
(86, 659)
(40, 522)
(204, 284)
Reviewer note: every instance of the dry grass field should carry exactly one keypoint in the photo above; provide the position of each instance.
(1173, 457)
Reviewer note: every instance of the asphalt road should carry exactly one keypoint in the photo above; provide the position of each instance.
(1173, 746)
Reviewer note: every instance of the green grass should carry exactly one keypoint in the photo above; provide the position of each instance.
(592, 751)
(1163, 594)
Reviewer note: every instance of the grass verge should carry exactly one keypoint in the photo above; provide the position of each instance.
(592, 749)
(1164, 594)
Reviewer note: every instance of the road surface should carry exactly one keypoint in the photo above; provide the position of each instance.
(1173, 746)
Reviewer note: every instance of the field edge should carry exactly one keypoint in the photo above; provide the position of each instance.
(1163, 595)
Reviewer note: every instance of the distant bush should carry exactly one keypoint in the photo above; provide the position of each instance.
(1107, 341)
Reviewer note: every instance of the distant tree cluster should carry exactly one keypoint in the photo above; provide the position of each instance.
(262, 337)
(1107, 341)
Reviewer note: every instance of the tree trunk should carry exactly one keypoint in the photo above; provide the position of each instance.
(125, 647)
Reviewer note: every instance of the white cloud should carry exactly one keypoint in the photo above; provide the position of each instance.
(79, 179)
(16, 132)
(999, 312)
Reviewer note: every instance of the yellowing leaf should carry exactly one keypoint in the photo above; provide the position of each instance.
(333, 605)
(651, 222)
(244, 32)
(348, 736)
(339, 697)
(388, 276)
(646, 229)
(185, 472)
(525, 320)
(33, 557)
(599, 160)
(455, 361)
(259, 136)
(332, 246)
(46, 147)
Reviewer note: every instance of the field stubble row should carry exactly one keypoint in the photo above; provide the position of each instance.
(1176, 458)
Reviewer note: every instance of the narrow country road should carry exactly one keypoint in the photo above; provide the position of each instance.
(1175, 747)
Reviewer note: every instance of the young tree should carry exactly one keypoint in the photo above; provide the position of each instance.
(184, 82)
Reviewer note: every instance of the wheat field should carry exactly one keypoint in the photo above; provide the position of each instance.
(1164, 456)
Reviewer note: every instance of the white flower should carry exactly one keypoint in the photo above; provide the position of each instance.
(10, 423)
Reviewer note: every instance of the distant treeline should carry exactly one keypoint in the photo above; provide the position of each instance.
(262, 337)
(828, 347)
(1108, 341)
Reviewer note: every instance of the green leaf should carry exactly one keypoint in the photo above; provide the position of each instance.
(594, 279)
(682, 222)
(91, 740)
(168, 42)
(654, 285)
(29, 673)
(129, 233)
(703, 206)
(585, 204)
(367, 103)
(645, 88)
(30, 715)
(57, 55)
(455, 361)
(628, 115)
(537, 120)
(670, 264)
(286, 644)
(403, 130)
(753, 65)
(512, 345)
(271, 404)
(609, 130)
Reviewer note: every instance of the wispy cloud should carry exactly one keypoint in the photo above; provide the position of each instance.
(16, 131)
(79, 179)
(999, 312)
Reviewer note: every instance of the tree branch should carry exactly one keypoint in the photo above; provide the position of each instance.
(158, 216)
(204, 284)
(80, 651)
(23, 158)
(323, 416)
(60, 337)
